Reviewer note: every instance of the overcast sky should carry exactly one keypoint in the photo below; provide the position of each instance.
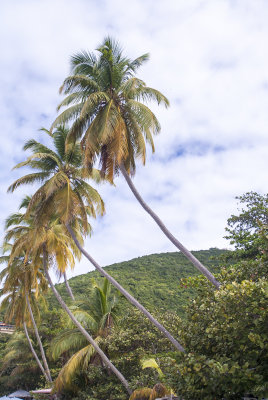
(209, 57)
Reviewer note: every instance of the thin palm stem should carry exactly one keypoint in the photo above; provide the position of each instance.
(38, 338)
(68, 287)
(169, 235)
(130, 298)
(34, 352)
(105, 359)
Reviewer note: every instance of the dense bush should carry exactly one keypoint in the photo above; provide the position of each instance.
(225, 335)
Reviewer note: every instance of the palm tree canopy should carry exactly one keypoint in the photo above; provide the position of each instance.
(28, 237)
(107, 104)
(64, 192)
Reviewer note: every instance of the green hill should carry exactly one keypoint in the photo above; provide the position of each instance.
(154, 280)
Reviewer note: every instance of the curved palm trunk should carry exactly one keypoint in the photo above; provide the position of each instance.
(104, 358)
(168, 234)
(125, 293)
(68, 287)
(34, 353)
(38, 339)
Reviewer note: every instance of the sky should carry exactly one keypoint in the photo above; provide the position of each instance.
(209, 57)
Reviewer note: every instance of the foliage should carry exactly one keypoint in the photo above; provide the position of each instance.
(226, 336)
(244, 229)
(151, 363)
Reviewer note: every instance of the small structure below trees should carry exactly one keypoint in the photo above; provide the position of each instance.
(6, 328)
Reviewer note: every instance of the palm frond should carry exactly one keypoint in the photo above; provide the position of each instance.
(67, 115)
(135, 64)
(87, 320)
(92, 102)
(30, 178)
(149, 94)
(68, 340)
(80, 83)
(77, 363)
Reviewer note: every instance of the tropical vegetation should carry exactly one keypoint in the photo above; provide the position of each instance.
(209, 339)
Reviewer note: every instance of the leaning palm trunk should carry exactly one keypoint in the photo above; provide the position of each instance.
(68, 287)
(169, 235)
(34, 353)
(130, 298)
(38, 339)
(104, 358)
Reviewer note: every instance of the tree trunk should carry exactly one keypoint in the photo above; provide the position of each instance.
(105, 359)
(38, 339)
(34, 353)
(130, 298)
(68, 287)
(168, 234)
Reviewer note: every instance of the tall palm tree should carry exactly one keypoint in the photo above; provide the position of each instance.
(106, 102)
(97, 314)
(45, 241)
(65, 198)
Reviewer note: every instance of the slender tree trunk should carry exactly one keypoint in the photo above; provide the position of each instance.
(38, 339)
(34, 353)
(130, 298)
(68, 287)
(168, 234)
(105, 359)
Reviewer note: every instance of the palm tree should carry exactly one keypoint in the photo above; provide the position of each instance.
(62, 194)
(106, 102)
(97, 314)
(42, 242)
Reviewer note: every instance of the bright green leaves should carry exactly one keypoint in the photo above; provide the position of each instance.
(226, 334)
(248, 230)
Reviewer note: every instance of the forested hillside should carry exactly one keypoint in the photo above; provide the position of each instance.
(154, 280)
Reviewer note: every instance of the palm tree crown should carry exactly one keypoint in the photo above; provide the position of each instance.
(106, 101)
(64, 192)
